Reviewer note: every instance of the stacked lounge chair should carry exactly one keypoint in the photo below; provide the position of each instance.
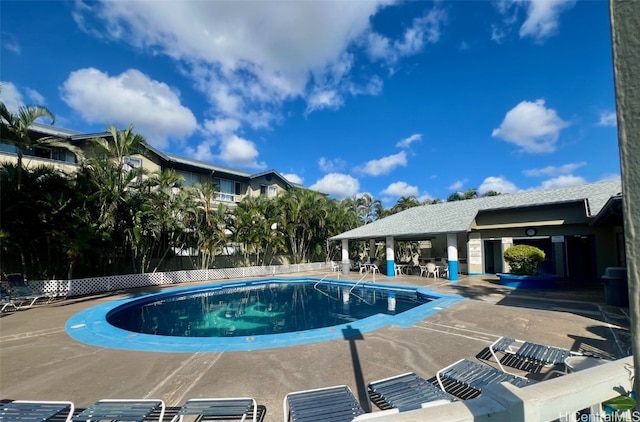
(136, 410)
(219, 408)
(406, 392)
(528, 356)
(26, 410)
(330, 404)
(465, 378)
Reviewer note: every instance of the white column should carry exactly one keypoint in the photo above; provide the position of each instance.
(346, 265)
(391, 261)
(452, 255)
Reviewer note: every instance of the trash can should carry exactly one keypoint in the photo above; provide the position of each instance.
(616, 288)
(346, 267)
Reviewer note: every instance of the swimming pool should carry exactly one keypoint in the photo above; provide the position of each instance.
(253, 314)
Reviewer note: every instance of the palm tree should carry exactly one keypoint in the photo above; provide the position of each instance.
(470, 193)
(14, 128)
(304, 216)
(116, 148)
(404, 203)
(211, 222)
(491, 193)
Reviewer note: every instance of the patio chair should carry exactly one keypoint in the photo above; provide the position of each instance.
(219, 408)
(330, 404)
(430, 268)
(136, 410)
(528, 356)
(26, 410)
(465, 379)
(335, 266)
(369, 267)
(406, 392)
(21, 292)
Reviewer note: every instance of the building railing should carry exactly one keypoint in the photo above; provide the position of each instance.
(227, 197)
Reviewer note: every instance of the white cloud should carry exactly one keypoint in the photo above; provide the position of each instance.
(554, 170)
(385, 164)
(608, 119)
(329, 98)
(13, 99)
(10, 43)
(35, 97)
(337, 184)
(425, 197)
(541, 21)
(240, 152)
(543, 18)
(406, 142)
(331, 166)
(129, 98)
(10, 96)
(563, 181)
(496, 184)
(400, 189)
(497, 34)
(423, 30)
(458, 184)
(247, 60)
(532, 127)
(293, 178)
(221, 126)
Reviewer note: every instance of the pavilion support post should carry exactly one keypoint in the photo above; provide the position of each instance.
(391, 261)
(346, 264)
(372, 250)
(452, 255)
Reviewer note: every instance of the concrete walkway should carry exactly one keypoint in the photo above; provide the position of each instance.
(39, 361)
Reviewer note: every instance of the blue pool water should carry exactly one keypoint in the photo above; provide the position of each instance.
(262, 309)
(254, 314)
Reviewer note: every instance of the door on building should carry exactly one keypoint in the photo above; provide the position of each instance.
(581, 263)
(493, 256)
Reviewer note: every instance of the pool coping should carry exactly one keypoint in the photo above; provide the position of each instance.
(90, 326)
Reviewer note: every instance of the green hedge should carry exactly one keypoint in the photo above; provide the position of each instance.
(524, 259)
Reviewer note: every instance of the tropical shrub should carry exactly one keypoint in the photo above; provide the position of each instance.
(524, 259)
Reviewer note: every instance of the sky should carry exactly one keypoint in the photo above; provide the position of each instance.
(388, 98)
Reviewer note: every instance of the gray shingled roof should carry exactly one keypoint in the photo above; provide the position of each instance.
(457, 216)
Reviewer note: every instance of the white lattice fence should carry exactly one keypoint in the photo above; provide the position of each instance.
(85, 286)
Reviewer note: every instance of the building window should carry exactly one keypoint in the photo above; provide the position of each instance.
(270, 191)
(189, 178)
(226, 190)
(131, 163)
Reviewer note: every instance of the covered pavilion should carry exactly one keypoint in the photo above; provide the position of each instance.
(473, 234)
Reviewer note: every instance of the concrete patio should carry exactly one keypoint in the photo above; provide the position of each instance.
(39, 361)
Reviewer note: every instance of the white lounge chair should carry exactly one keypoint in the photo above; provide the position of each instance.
(26, 410)
(465, 379)
(219, 408)
(330, 404)
(122, 410)
(406, 392)
(522, 354)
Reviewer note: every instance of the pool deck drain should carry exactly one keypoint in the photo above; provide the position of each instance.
(40, 361)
